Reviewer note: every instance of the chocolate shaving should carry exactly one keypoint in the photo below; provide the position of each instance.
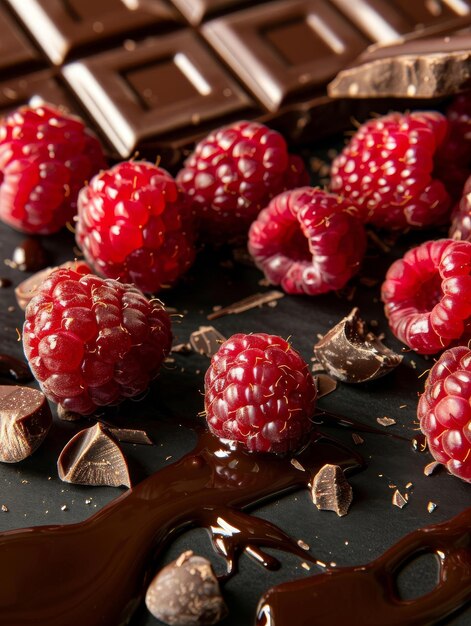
(206, 340)
(92, 457)
(186, 593)
(385, 421)
(431, 467)
(25, 420)
(398, 499)
(331, 491)
(325, 385)
(257, 300)
(351, 354)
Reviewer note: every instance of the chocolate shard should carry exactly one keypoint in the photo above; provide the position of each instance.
(352, 354)
(419, 68)
(130, 435)
(26, 290)
(206, 340)
(331, 491)
(25, 419)
(325, 385)
(92, 457)
(186, 593)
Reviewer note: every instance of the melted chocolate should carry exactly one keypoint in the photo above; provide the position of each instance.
(369, 592)
(95, 572)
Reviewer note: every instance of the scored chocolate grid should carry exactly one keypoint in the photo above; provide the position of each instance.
(288, 94)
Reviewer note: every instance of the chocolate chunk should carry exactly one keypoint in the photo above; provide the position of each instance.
(206, 340)
(27, 288)
(331, 491)
(186, 593)
(422, 68)
(25, 419)
(92, 457)
(15, 369)
(351, 354)
(29, 256)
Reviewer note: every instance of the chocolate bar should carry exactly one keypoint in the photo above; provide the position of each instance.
(153, 78)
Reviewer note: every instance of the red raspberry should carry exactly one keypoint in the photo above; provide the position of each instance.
(444, 411)
(387, 171)
(308, 241)
(259, 392)
(133, 226)
(46, 156)
(92, 342)
(232, 175)
(427, 295)
(461, 217)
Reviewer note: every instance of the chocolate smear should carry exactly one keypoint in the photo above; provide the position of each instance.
(331, 491)
(246, 304)
(25, 419)
(421, 68)
(92, 457)
(15, 369)
(352, 354)
(27, 288)
(206, 340)
(186, 593)
(29, 256)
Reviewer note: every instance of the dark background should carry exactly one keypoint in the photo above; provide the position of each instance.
(34, 494)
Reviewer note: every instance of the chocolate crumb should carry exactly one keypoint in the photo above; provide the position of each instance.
(93, 457)
(5, 509)
(398, 499)
(206, 340)
(186, 593)
(386, 421)
(331, 491)
(431, 506)
(295, 463)
(25, 420)
(246, 304)
(64, 507)
(431, 467)
(357, 440)
(352, 354)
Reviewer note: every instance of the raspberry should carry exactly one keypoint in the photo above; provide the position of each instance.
(45, 158)
(232, 175)
(387, 171)
(133, 225)
(427, 295)
(92, 342)
(308, 241)
(259, 392)
(461, 216)
(444, 411)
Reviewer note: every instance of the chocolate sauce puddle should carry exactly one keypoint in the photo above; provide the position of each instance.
(366, 595)
(95, 572)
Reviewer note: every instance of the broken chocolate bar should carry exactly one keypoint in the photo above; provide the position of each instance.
(25, 419)
(351, 354)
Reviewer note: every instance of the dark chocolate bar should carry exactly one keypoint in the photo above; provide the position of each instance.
(153, 77)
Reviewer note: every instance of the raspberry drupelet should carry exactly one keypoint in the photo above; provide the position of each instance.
(427, 296)
(444, 411)
(308, 241)
(46, 156)
(233, 173)
(133, 225)
(91, 342)
(259, 392)
(387, 170)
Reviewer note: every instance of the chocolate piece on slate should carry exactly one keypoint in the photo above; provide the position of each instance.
(186, 593)
(351, 354)
(92, 457)
(325, 385)
(15, 369)
(206, 340)
(29, 256)
(331, 491)
(420, 68)
(25, 419)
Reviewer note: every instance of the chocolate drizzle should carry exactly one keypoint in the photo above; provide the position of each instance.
(95, 572)
(369, 592)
